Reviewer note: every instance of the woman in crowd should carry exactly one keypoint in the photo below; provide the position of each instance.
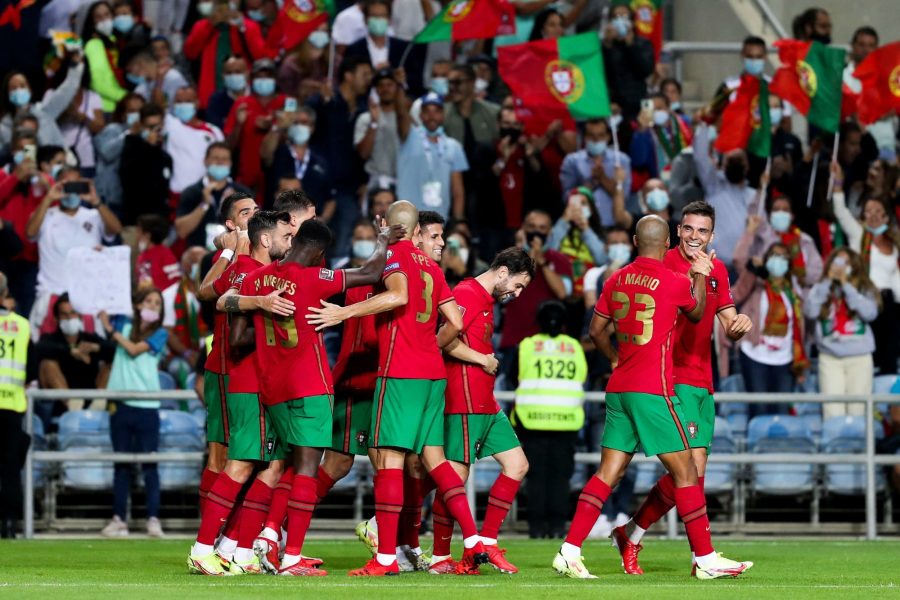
(881, 180)
(459, 260)
(102, 55)
(134, 424)
(304, 71)
(876, 237)
(843, 304)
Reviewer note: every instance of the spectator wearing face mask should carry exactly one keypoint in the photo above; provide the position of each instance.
(843, 305)
(157, 83)
(102, 55)
(375, 136)
(618, 253)
(437, 83)
(130, 30)
(304, 71)
(576, 235)
(660, 137)
(146, 169)
(187, 138)
(671, 89)
(235, 84)
(488, 86)
(182, 317)
(362, 245)
(627, 58)
(108, 145)
(458, 259)
(156, 265)
(594, 168)
(653, 200)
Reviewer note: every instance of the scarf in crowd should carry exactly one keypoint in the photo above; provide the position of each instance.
(791, 239)
(574, 248)
(839, 320)
(777, 322)
(188, 326)
(670, 144)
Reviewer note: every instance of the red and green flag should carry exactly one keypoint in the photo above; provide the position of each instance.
(746, 123)
(296, 20)
(470, 20)
(556, 79)
(810, 78)
(648, 22)
(879, 74)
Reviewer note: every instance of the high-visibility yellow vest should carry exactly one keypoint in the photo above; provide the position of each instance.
(15, 333)
(552, 372)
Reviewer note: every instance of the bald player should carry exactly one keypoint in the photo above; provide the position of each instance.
(407, 415)
(643, 301)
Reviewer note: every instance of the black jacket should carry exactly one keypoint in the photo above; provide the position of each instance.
(145, 171)
(414, 65)
(627, 69)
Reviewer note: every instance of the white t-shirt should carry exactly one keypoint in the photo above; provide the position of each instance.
(349, 25)
(883, 270)
(60, 233)
(77, 136)
(168, 297)
(773, 350)
(408, 18)
(187, 146)
(172, 81)
(378, 55)
(592, 278)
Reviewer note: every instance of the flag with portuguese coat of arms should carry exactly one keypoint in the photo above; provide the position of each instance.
(470, 20)
(810, 78)
(556, 79)
(648, 22)
(746, 123)
(296, 20)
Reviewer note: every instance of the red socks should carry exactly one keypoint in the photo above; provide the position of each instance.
(207, 479)
(500, 500)
(256, 506)
(414, 492)
(691, 505)
(453, 490)
(443, 527)
(388, 505)
(659, 501)
(278, 509)
(325, 483)
(300, 508)
(219, 504)
(587, 510)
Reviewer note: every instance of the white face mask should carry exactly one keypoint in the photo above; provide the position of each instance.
(71, 327)
(481, 85)
(463, 255)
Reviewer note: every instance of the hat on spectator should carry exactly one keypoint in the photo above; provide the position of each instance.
(263, 64)
(384, 73)
(432, 98)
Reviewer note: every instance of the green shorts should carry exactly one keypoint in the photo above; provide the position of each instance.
(468, 438)
(352, 423)
(214, 386)
(408, 413)
(250, 432)
(700, 414)
(303, 422)
(633, 420)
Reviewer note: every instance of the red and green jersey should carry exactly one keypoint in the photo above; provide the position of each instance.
(692, 357)
(469, 389)
(290, 353)
(407, 338)
(810, 78)
(215, 360)
(470, 20)
(746, 123)
(643, 300)
(357, 365)
(241, 374)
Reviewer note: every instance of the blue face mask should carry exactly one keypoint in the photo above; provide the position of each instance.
(363, 248)
(657, 199)
(775, 115)
(256, 15)
(55, 169)
(754, 66)
(319, 39)
(70, 201)
(123, 23)
(263, 86)
(19, 97)
(780, 220)
(438, 131)
(440, 86)
(136, 80)
(877, 230)
(18, 157)
(132, 118)
(622, 26)
(777, 266)
(619, 253)
(595, 148)
(184, 111)
(218, 172)
(377, 26)
(299, 133)
(235, 82)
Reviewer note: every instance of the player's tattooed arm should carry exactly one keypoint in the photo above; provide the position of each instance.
(600, 335)
(230, 301)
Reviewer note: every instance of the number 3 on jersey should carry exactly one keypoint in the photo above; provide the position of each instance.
(637, 328)
(286, 324)
(423, 317)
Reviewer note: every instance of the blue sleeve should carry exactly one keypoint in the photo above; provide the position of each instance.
(641, 152)
(119, 322)
(157, 340)
(569, 177)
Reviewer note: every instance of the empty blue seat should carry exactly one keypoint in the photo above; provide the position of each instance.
(777, 434)
(486, 474)
(85, 431)
(720, 477)
(847, 435)
(646, 475)
(734, 412)
(811, 413)
(179, 432)
(38, 442)
(732, 383)
(885, 384)
(167, 381)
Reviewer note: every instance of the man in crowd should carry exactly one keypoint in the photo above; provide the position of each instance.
(187, 138)
(375, 135)
(181, 310)
(145, 170)
(156, 265)
(235, 84)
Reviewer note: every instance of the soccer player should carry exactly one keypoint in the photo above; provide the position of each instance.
(298, 204)
(431, 234)
(692, 372)
(249, 442)
(643, 301)
(407, 415)
(474, 424)
(294, 376)
(235, 212)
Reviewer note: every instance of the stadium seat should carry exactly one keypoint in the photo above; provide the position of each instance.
(38, 442)
(811, 413)
(486, 474)
(720, 477)
(179, 432)
(847, 435)
(85, 431)
(776, 434)
(885, 384)
(646, 476)
(167, 382)
(735, 413)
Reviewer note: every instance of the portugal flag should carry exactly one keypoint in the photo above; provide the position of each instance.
(879, 75)
(745, 121)
(556, 79)
(648, 22)
(296, 20)
(810, 78)
(470, 20)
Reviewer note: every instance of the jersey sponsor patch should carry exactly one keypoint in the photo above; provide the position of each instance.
(326, 274)
(391, 267)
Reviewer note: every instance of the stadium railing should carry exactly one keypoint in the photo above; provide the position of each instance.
(868, 459)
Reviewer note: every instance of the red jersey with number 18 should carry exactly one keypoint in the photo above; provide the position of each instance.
(643, 300)
(469, 389)
(407, 338)
(242, 377)
(290, 353)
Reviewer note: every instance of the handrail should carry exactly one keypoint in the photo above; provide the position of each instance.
(771, 19)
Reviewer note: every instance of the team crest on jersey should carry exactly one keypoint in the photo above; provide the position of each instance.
(389, 254)
(692, 430)
(89, 227)
(714, 284)
(326, 274)
(362, 438)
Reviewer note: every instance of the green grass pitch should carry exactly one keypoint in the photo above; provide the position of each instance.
(76, 569)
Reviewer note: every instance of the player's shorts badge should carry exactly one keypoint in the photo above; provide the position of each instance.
(478, 446)
(362, 438)
(692, 430)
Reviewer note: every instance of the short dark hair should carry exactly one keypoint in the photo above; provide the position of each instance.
(350, 64)
(701, 208)
(293, 201)
(752, 40)
(670, 81)
(314, 234)
(229, 202)
(265, 221)
(429, 217)
(865, 30)
(215, 145)
(551, 317)
(64, 297)
(467, 70)
(152, 109)
(516, 260)
(46, 153)
(661, 96)
(371, 3)
(156, 226)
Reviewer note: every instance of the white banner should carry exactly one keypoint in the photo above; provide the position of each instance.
(100, 280)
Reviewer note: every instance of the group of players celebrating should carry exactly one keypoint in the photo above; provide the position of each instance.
(415, 392)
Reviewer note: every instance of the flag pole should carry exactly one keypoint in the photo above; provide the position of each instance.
(406, 52)
(834, 151)
(812, 180)
(615, 137)
(331, 52)
(761, 205)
